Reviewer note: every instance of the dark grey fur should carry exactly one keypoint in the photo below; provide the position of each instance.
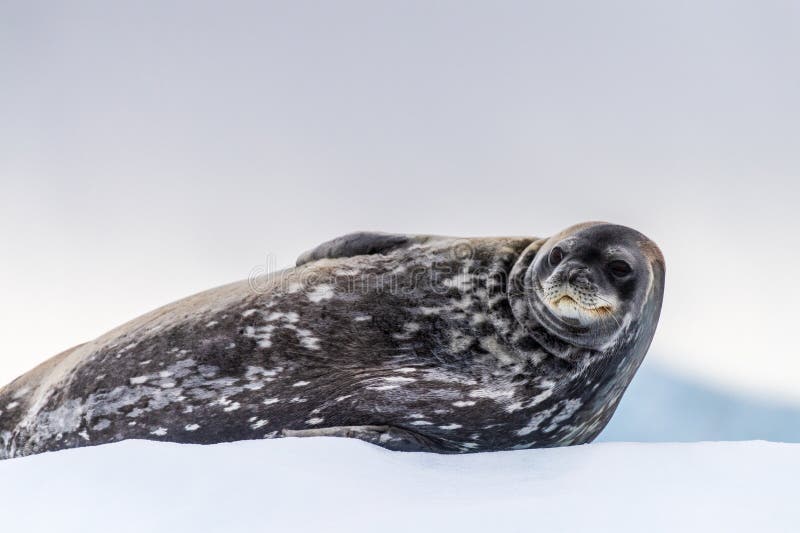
(410, 342)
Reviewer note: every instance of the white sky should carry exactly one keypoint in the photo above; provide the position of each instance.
(149, 150)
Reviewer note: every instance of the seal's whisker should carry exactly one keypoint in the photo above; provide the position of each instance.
(611, 306)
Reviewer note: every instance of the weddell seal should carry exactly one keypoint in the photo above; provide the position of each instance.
(410, 342)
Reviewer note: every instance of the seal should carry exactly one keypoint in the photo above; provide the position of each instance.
(410, 342)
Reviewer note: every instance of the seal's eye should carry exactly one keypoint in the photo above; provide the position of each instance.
(619, 268)
(556, 255)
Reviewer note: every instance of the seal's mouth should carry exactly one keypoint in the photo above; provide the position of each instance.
(587, 324)
(575, 313)
(568, 301)
(574, 306)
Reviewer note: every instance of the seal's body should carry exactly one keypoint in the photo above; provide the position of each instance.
(412, 343)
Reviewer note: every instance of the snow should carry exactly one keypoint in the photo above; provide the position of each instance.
(329, 484)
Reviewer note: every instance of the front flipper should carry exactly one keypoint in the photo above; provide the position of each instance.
(360, 243)
(386, 436)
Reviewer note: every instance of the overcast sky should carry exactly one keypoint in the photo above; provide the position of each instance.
(149, 150)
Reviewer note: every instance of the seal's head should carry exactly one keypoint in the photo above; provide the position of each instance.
(590, 282)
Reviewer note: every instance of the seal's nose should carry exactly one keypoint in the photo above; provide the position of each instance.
(579, 276)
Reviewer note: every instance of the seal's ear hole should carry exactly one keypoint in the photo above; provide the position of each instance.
(619, 268)
(556, 255)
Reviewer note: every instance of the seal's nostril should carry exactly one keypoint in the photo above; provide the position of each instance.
(579, 276)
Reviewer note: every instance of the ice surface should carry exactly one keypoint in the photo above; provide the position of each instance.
(328, 484)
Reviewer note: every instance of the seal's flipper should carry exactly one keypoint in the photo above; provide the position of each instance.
(389, 437)
(359, 243)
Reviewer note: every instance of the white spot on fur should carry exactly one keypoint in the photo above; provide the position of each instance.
(421, 423)
(409, 329)
(539, 398)
(232, 407)
(568, 409)
(192, 427)
(450, 427)
(500, 351)
(477, 318)
(307, 340)
(301, 384)
(516, 406)
(159, 432)
(255, 371)
(314, 421)
(399, 379)
(460, 282)
(494, 393)
(138, 380)
(383, 387)
(101, 425)
(321, 292)
(212, 324)
(294, 287)
(262, 335)
(463, 403)
(534, 423)
(270, 401)
(291, 317)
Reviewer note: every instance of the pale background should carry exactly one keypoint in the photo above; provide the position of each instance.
(150, 150)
